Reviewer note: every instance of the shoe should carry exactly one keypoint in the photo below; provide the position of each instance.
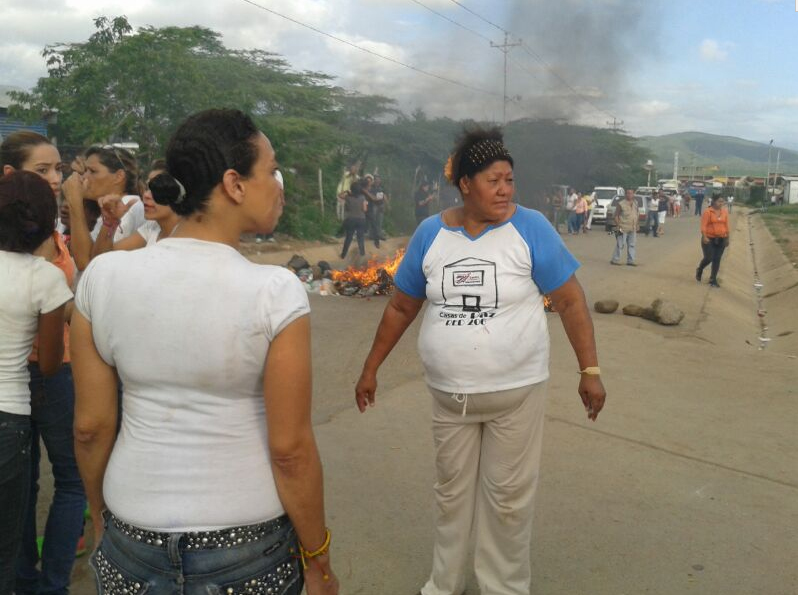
(617, 264)
(631, 264)
(81, 549)
(698, 275)
(714, 283)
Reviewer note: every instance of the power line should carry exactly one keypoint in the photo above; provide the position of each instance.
(453, 22)
(479, 16)
(371, 52)
(537, 57)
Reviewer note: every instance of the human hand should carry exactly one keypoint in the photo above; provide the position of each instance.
(72, 189)
(704, 240)
(315, 581)
(592, 392)
(78, 165)
(112, 207)
(366, 390)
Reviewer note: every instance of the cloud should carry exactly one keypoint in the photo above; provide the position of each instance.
(713, 51)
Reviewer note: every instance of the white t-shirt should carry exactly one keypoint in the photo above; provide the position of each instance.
(570, 204)
(187, 324)
(485, 328)
(130, 223)
(150, 232)
(29, 286)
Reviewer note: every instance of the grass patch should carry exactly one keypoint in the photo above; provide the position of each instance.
(783, 224)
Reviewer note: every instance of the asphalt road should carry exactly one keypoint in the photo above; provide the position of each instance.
(687, 483)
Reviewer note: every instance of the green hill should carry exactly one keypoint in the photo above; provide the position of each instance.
(731, 155)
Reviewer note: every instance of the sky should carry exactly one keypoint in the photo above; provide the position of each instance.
(719, 66)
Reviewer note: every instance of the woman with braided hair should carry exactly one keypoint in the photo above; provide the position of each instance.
(484, 267)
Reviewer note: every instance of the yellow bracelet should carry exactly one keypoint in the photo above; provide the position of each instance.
(305, 555)
(591, 371)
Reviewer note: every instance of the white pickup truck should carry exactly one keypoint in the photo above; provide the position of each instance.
(603, 207)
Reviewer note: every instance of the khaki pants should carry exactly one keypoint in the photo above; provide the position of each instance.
(487, 456)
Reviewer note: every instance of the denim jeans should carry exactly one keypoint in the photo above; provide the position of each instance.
(14, 486)
(713, 252)
(652, 223)
(174, 569)
(629, 238)
(52, 412)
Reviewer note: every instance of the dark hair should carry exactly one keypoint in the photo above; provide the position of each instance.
(462, 163)
(116, 158)
(203, 148)
(158, 165)
(27, 211)
(17, 147)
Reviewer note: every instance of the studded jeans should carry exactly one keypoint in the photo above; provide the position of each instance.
(264, 565)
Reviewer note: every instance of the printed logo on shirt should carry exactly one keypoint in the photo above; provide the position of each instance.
(470, 286)
(468, 278)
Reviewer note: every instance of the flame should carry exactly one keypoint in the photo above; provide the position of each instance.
(548, 306)
(371, 273)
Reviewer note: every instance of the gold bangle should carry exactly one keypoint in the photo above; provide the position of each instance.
(305, 555)
(591, 371)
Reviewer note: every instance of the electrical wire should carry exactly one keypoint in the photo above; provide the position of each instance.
(371, 52)
(540, 59)
(453, 22)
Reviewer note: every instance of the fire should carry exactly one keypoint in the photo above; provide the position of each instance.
(548, 306)
(364, 277)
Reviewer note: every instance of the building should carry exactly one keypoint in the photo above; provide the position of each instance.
(790, 190)
(7, 125)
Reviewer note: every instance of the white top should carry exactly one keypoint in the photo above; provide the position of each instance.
(150, 232)
(129, 223)
(29, 286)
(485, 328)
(188, 324)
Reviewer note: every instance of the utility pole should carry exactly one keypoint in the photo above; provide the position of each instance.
(766, 199)
(505, 49)
(615, 125)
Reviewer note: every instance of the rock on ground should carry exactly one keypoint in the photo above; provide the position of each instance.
(606, 306)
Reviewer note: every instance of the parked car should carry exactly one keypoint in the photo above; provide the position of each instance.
(603, 203)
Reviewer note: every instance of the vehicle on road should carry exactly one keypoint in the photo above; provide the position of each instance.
(604, 198)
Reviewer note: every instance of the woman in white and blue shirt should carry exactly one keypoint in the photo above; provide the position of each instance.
(484, 268)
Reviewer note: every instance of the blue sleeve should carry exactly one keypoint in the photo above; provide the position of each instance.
(410, 277)
(552, 264)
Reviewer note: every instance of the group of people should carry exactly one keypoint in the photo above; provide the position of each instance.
(188, 387)
(362, 202)
(715, 231)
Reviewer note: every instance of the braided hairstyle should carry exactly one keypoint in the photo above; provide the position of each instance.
(205, 146)
(476, 150)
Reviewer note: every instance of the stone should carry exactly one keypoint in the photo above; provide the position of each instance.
(649, 314)
(667, 313)
(606, 306)
(633, 310)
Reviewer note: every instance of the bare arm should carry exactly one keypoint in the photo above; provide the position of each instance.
(294, 456)
(80, 236)
(96, 412)
(400, 312)
(569, 301)
(51, 341)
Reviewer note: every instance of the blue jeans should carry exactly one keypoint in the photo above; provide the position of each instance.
(14, 486)
(573, 220)
(52, 412)
(172, 568)
(629, 238)
(652, 222)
